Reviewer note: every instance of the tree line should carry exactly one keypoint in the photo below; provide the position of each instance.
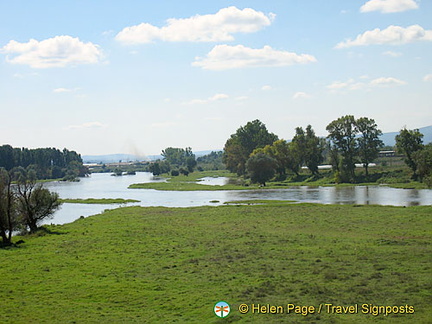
(48, 163)
(176, 160)
(254, 152)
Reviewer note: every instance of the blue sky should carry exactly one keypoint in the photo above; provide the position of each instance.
(103, 77)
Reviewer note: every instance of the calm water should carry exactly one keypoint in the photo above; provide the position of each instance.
(100, 185)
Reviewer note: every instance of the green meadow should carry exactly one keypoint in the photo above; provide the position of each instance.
(162, 265)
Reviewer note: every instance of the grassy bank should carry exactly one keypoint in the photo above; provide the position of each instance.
(137, 265)
(98, 201)
(396, 177)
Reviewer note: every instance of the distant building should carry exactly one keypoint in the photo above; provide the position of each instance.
(386, 153)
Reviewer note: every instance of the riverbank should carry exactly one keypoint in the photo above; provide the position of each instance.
(392, 178)
(159, 264)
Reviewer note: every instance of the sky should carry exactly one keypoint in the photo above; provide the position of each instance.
(135, 77)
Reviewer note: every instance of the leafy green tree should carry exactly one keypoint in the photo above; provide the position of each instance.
(212, 161)
(34, 203)
(307, 149)
(342, 133)
(241, 144)
(155, 168)
(423, 159)
(234, 156)
(191, 163)
(7, 159)
(8, 217)
(369, 143)
(279, 151)
(180, 157)
(408, 142)
(261, 168)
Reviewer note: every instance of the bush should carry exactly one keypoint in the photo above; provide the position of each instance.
(175, 173)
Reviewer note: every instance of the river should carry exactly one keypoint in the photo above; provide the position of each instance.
(103, 185)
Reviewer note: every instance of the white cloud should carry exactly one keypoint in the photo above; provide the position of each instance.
(58, 51)
(388, 6)
(392, 35)
(387, 82)
(427, 77)
(352, 84)
(89, 125)
(60, 90)
(392, 54)
(200, 28)
(266, 88)
(301, 95)
(216, 97)
(224, 57)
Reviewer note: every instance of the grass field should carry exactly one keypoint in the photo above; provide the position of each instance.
(162, 265)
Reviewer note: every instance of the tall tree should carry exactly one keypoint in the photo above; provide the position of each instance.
(408, 142)
(261, 168)
(369, 143)
(180, 157)
(34, 202)
(241, 144)
(8, 219)
(342, 133)
(308, 148)
(423, 160)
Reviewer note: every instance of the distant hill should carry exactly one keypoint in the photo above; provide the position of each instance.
(112, 158)
(389, 138)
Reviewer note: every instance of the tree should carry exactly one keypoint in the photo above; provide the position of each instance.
(280, 151)
(261, 168)
(342, 133)
(241, 144)
(307, 148)
(423, 160)
(34, 203)
(369, 143)
(8, 219)
(234, 156)
(155, 168)
(180, 157)
(408, 142)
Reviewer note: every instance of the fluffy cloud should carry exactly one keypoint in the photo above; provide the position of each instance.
(216, 97)
(301, 95)
(392, 54)
(224, 57)
(89, 125)
(62, 90)
(352, 84)
(427, 77)
(266, 88)
(392, 35)
(388, 6)
(387, 82)
(58, 51)
(200, 28)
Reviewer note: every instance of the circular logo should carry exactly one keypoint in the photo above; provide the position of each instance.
(222, 309)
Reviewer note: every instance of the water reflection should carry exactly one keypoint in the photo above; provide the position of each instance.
(105, 186)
